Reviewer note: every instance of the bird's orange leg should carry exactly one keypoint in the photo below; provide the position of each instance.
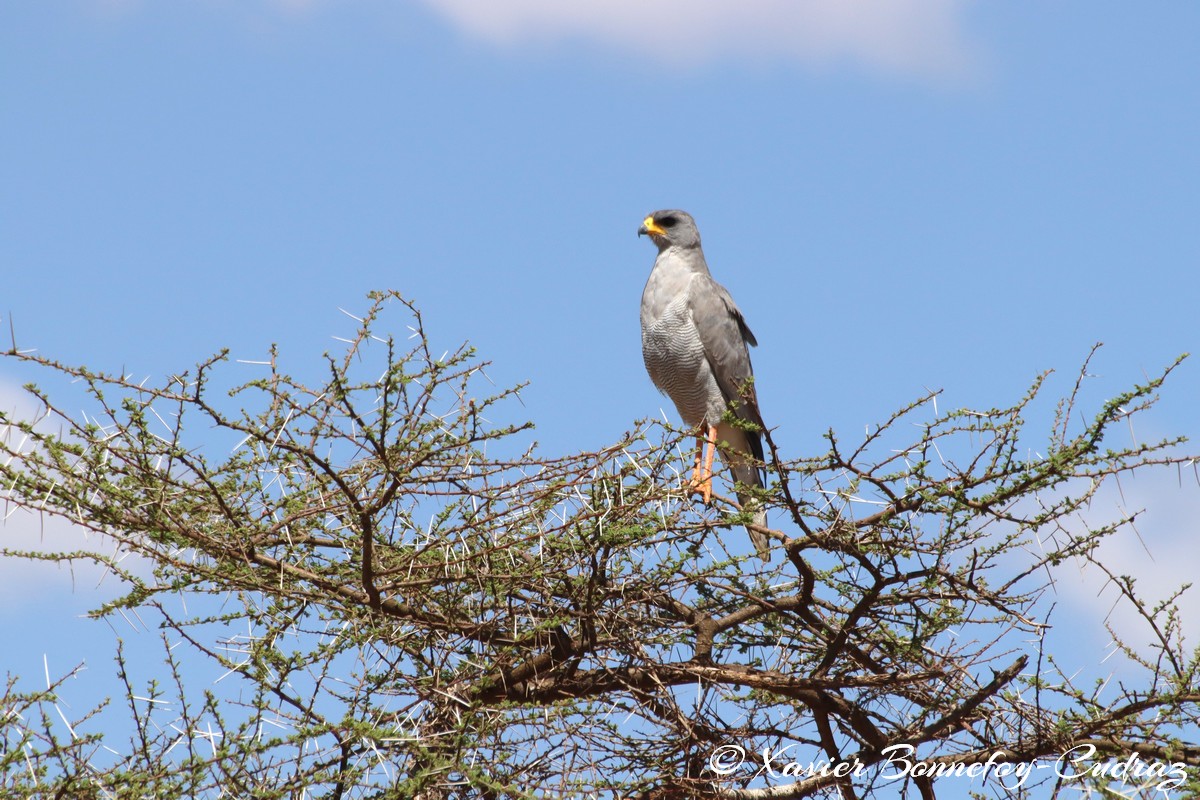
(695, 484)
(704, 485)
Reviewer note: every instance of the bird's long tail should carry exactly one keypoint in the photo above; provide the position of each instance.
(742, 453)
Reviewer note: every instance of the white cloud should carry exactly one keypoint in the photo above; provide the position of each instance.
(1158, 552)
(923, 37)
(26, 582)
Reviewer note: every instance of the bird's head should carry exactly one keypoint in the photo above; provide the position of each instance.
(671, 228)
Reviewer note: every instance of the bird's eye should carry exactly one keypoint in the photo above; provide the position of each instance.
(668, 222)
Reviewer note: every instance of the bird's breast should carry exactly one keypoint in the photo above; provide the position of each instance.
(675, 359)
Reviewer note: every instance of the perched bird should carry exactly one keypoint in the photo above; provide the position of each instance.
(694, 343)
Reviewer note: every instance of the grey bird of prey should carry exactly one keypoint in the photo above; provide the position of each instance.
(695, 345)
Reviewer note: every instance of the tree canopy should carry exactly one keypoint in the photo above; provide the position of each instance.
(408, 600)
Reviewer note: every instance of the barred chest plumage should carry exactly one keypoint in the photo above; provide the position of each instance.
(675, 359)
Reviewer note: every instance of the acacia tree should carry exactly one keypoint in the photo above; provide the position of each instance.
(410, 603)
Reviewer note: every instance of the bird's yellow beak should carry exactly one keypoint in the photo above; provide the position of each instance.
(649, 226)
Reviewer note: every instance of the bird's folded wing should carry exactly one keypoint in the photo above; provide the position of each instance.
(725, 337)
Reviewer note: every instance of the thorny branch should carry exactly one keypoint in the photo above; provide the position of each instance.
(431, 606)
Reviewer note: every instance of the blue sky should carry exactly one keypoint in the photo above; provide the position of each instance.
(182, 177)
(901, 195)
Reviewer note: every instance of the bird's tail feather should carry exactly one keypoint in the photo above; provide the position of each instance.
(747, 472)
(761, 542)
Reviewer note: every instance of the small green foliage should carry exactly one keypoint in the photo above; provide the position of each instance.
(400, 596)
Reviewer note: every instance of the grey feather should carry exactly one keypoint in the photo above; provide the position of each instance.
(695, 343)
